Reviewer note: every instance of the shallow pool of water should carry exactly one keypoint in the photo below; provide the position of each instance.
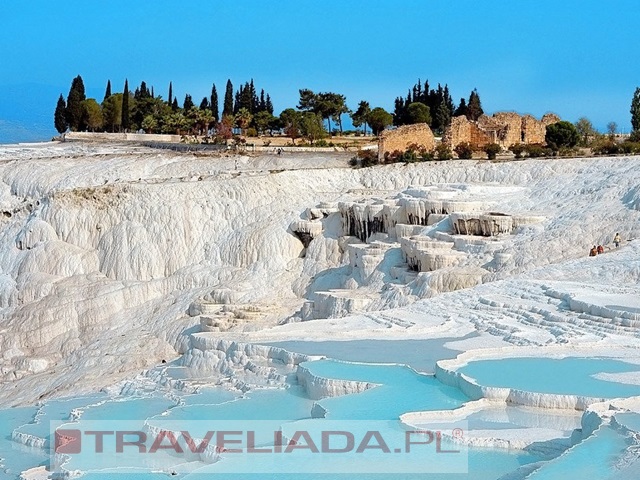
(566, 376)
(420, 355)
(594, 458)
(401, 390)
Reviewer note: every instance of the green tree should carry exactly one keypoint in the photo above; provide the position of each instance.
(149, 124)
(418, 112)
(213, 104)
(59, 119)
(290, 120)
(107, 92)
(612, 128)
(125, 123)
(443, 117)
(204, 119)
(243, 119)
(227, 109)
(474, 107)
(112, 112)
(170, 97)
(635, 112)
(73, 113)
(462, 108)
(585, 130)
(561, 134)
(188, 103)
(336, 105)
(92, 114)
(311, 127)
(360, 116)
(262, 121)
(379, 119)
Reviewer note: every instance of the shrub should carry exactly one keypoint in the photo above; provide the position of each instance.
(393, 157)
(606, 147)
(442, 152)
(427, 156)
(630, 147)
(252, 132)
(535, 150)
(464, 151)
(492, 149)
(518, 149)
(364, 158)
(569, 152)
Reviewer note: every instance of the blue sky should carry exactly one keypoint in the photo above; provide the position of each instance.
(576, 58)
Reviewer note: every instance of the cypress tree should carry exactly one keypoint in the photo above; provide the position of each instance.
(635, 113)
(204, 104)
(153, 95)
(126, 123)
(269, 105)
(262, 104)
(73, 113)
(474, 107)
(462, 109)
(58, 117)
(170, 98)
(174, 105)
(107, 92)
(228, 100)
(214, 104)
(188, 103)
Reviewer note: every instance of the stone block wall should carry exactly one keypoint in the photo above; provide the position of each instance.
(503, 128)
(511, 128)
(399, 139)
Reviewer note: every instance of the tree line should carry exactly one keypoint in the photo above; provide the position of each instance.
(142, 109)
(249, 111)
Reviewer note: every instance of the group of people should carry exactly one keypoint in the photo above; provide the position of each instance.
(600, 249)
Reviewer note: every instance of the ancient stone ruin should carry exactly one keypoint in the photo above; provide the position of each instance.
(402, 137)
(503, 128)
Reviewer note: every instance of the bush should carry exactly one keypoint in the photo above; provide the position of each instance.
(535, 150)
(630, 147)
(464, 151)
(252, 132)
(606, 147)
(427, 156)
(364, 158)
(492, 149)
(518, 149)
(442, 152)
(569, 152)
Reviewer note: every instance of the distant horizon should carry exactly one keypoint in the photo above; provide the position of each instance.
(576, 62)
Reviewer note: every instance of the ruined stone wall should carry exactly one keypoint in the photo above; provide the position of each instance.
(458, 132)
(533, 130)
(462, 130)
(399, 139)
(503, 128)
(511, 128)
(480, 137)
(550, 118)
